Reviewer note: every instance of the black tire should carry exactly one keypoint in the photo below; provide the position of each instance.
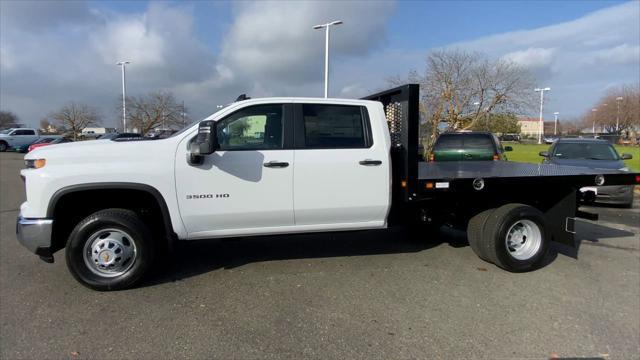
(123, 220)
(3, 146)
(475, 229)
(495, 232)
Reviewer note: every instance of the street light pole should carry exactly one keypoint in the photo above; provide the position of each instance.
(123, 64)
(593, 111)
(326, 28)
(541, 124)
(618, 101)
(555, 125)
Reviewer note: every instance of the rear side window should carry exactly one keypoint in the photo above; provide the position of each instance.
(24, 132)
(334, 126)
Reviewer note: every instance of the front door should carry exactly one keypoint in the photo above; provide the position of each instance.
(245, 187)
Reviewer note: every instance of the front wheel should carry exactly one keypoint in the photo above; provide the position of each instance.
(3, 146)
(515, 237)
(111, 249)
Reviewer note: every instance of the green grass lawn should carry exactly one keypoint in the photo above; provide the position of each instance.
(528, 153)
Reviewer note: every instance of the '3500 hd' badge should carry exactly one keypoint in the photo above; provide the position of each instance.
(207, 196)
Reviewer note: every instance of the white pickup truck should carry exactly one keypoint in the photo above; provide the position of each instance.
(17, 138)
(281, 166)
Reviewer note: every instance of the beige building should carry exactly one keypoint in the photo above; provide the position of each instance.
(531, 126)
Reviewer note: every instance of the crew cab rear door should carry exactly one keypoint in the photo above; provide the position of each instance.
(342, 167)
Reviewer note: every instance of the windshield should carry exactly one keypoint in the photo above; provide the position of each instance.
(593, 151)
(5, 131)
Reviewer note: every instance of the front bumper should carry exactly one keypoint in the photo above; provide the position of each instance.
(618, 194)
(35, 235)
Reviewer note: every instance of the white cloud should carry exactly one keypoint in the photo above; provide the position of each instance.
(129, 38)
(617, 55)
(270, 49)
(532, 57)
(54, 52)
(578, 58)
(274, 43)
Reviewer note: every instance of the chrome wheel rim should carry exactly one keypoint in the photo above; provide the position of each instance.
(523, 240)
(110, 252)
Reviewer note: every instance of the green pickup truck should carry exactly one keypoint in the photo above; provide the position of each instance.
(468, 146)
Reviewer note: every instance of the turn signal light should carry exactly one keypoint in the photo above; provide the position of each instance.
(35, 164)
(496, 157)
(403, 183)
(429, 185)
(432, 157)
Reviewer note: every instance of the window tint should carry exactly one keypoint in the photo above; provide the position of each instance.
(333, 126)
(477, 141)
(24, 132)
(592, 151)
(253, 128)
(446, 142)
(464, 141)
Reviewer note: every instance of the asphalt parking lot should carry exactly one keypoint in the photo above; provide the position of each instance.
(354, 295)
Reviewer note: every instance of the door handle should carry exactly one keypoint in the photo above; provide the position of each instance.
(369, 162)
(276, 164)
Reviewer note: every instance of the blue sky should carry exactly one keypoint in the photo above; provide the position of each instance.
(209, 52)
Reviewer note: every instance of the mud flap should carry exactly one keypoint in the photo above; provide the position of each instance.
(561, 218)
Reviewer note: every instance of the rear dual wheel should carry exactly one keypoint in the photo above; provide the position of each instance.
(513, 236)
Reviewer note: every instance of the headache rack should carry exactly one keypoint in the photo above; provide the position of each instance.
(401, 107)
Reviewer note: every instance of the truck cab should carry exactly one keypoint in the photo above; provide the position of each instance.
(286, 165)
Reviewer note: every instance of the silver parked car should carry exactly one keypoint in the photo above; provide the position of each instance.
(594, 154)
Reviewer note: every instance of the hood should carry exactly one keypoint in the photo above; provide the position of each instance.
(100, 149)
(589, 163)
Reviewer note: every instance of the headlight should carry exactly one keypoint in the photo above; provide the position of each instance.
(624, 169)
(35, 163)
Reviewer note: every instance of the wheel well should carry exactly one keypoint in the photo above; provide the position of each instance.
(73, 206)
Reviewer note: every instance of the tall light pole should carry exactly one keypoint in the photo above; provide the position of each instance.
(326, 28)
(123, 64)
(593, 111)
(555, 125)
(618, 101)
(541, 91)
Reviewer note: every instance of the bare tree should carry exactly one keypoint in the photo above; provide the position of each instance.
(155, 110)
(8, 119)
(618, 107)
(461, 88)
(75, 117)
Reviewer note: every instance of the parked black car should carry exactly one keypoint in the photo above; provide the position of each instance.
(594, 154)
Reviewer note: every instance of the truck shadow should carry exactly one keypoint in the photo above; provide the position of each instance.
(193, 258)
(591, 234)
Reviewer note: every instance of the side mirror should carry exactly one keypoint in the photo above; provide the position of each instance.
(205, 143)
(544, 153)
(508, 148)
(626, 156)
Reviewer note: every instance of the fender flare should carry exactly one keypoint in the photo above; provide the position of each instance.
(166, 216)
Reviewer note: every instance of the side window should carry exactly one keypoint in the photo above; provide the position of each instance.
(333, 126)
(24, 132)
(253, 128)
